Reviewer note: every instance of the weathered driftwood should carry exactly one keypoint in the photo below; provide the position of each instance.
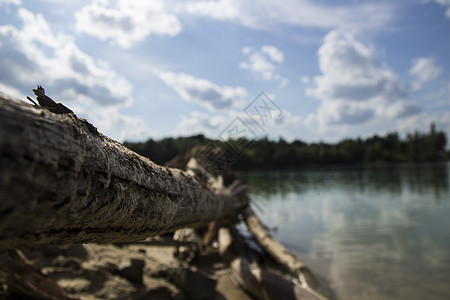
(211, 233)
(61, 181)
(260, 283)
(278, 251)
(266, 285)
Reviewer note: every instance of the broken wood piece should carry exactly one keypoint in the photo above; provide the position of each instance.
(21, 280)
(48, 103)
(194, 284)
(190, 252)
(232, 245)
(278, 252)
(211, 233)
(62, 182)
(225, 242)
(267, 285)
(133, 270)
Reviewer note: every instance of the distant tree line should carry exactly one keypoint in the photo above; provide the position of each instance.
(265, 153)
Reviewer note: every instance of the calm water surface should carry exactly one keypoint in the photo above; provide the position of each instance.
(371, 232)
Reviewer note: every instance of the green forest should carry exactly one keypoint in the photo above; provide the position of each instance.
(264, 153)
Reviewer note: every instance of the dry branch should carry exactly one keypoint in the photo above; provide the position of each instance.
(254, 278)
(278, 251)
(265, 285)
(61, 181)
(21, 280)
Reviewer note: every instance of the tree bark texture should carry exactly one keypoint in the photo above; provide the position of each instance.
(61, 181)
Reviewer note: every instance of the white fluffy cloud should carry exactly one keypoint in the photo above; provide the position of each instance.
(446, 4)
(418, 122)
(126, 22)
(219, 10)
(267, 14)
(275, 54)
(423, 69)
(305, 79)
(355, 88)
(219, 124)
(13, 2)
(264, 62)
(351, 71)
(199, 122)
(34, 54)
(203, 91)
(111, 121)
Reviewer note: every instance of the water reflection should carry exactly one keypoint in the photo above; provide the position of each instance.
(374, 232)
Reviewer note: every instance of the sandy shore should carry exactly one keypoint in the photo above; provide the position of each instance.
(95, 271)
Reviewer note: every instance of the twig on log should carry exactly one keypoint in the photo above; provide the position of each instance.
(48, 103)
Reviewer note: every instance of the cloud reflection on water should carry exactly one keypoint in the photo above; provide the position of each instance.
(370, 231)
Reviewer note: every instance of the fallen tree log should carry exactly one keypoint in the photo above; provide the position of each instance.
(61, 181)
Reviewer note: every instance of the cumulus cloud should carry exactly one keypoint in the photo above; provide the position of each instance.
(275, 54)
(423, 69)
(199, 122)
(305, 79)
(418, 122)
(337, 116)
(351, 71)
(34, 54)
(399, 110)
(114, 123)
(264, 62)
(12, 2)
(220, 124)
(355, 87)
(446, 4)
(217, 125)
(126, 22)
(267, 14)
(219, 10)
(202, 91)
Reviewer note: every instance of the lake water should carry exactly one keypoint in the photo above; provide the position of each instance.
(370, 232)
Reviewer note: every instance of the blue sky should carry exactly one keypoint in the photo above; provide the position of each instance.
(141, 69)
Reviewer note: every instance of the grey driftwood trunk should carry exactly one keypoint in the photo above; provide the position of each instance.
(61, 181)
